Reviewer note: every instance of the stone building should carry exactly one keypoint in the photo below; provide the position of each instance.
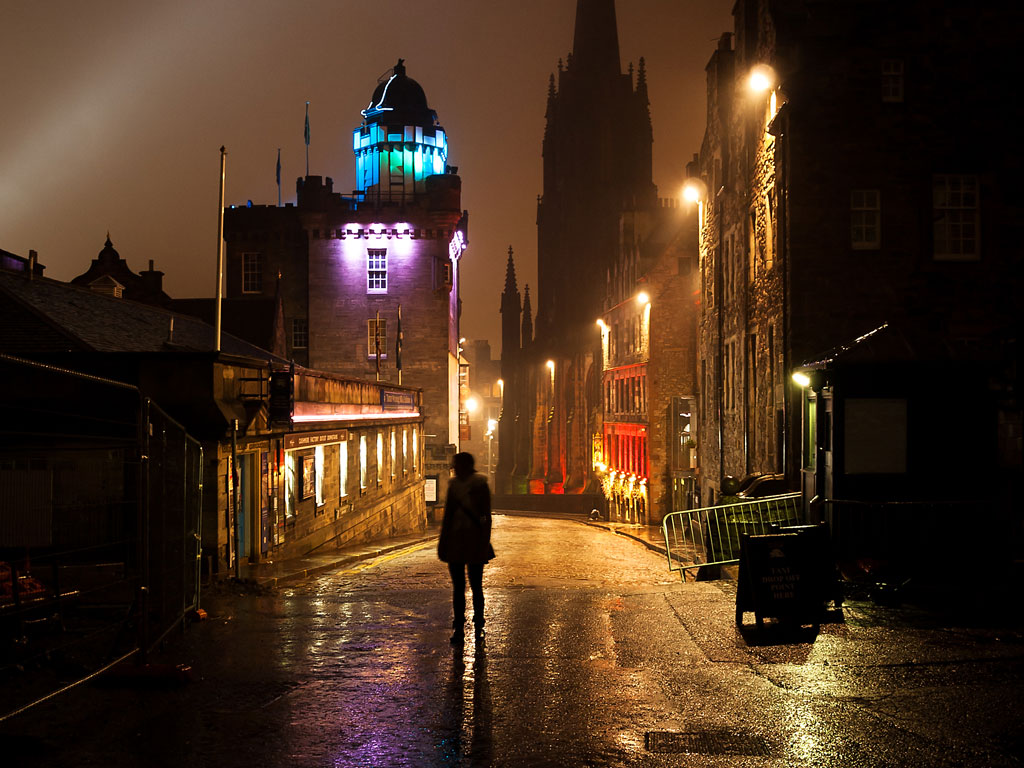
(598, 209)
(857, 173)
(369, 281)
(341, 462)
(648, 332)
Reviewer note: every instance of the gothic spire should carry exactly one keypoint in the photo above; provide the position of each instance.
(596, 39)
(527, 334)
(641, 83)
(510, 274)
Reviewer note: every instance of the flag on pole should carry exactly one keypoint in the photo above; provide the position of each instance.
(376, 343)
(398, 345)
(307, 138)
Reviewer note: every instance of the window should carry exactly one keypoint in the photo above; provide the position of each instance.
(405, 451)
(769, 223)
(343, 469)
(252, 273)
(300, 333)
(291, 483)
(415, 450)
(318, 464)
(376, 334)
(955, 217)
(892, 80)
(752, 246)
(376, 270)
(380, 457)
(393, 463)
(362, 462)
(865, 219)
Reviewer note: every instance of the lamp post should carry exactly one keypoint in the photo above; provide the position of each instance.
(492, 424)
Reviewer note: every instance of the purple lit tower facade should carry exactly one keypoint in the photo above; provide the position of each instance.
(344, 265)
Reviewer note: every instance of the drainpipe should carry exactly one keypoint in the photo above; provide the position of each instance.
(718, 358)
(234, 496)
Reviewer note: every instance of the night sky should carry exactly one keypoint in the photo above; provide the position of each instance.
(114, 112)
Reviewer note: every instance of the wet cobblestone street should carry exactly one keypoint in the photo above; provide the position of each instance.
(595, 656)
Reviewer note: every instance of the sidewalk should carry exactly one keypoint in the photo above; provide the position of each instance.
(272, 573)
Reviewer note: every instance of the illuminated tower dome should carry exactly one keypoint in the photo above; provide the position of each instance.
(399, 143)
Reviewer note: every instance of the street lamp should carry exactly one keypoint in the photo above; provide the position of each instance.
(762, 77)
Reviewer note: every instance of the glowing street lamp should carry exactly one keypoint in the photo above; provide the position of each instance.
(694, 190)
(472, 404)
(642, 298)
(762, 77)
(802, 379)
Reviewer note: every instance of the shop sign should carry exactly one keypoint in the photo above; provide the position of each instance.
(396, 400)
(310, 439)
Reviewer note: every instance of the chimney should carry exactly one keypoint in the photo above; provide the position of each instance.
(170, 329)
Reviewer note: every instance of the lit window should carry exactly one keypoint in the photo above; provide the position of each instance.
(376, 270)
(343, 468)
(291, 485)
(955, 218)
(362, 462)
(393, 453)
(252, 273)
(318, 463)
(892, 80)
(300, 333)
(415, 451)
(376, 338)
(865, 219)
(405, 451)
(380, 457)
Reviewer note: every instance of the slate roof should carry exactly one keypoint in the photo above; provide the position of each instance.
(105, 324)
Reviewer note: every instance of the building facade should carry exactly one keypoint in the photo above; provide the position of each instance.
(602, 233)
(845, 190)
(645, 457)
(293, 459)
(369, 281)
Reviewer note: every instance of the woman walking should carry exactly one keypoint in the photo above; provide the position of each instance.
(465, 542)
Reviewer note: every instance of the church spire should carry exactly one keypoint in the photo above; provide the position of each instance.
(596, 39)
(510, 274)
(527, 335)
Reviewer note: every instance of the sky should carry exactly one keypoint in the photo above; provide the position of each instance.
(114, 112)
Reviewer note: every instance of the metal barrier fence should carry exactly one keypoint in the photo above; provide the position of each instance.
(711, 535)
(100, 511)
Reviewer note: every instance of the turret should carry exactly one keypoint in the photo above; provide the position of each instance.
(400, 143)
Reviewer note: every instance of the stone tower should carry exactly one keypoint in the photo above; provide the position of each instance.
(348, 262)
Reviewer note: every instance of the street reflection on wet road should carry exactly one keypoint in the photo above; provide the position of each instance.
(595, 656)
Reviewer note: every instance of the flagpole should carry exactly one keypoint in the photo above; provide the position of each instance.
(307, 138)
(220, 251)
(278, 177)
(398, 346)
(376, 343)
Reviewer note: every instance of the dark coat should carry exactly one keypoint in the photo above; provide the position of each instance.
(466, 526)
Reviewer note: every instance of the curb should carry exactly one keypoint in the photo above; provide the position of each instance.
(304, 573)
(649, 544)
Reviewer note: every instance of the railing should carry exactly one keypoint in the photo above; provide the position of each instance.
(100, 527)
(711, 535)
